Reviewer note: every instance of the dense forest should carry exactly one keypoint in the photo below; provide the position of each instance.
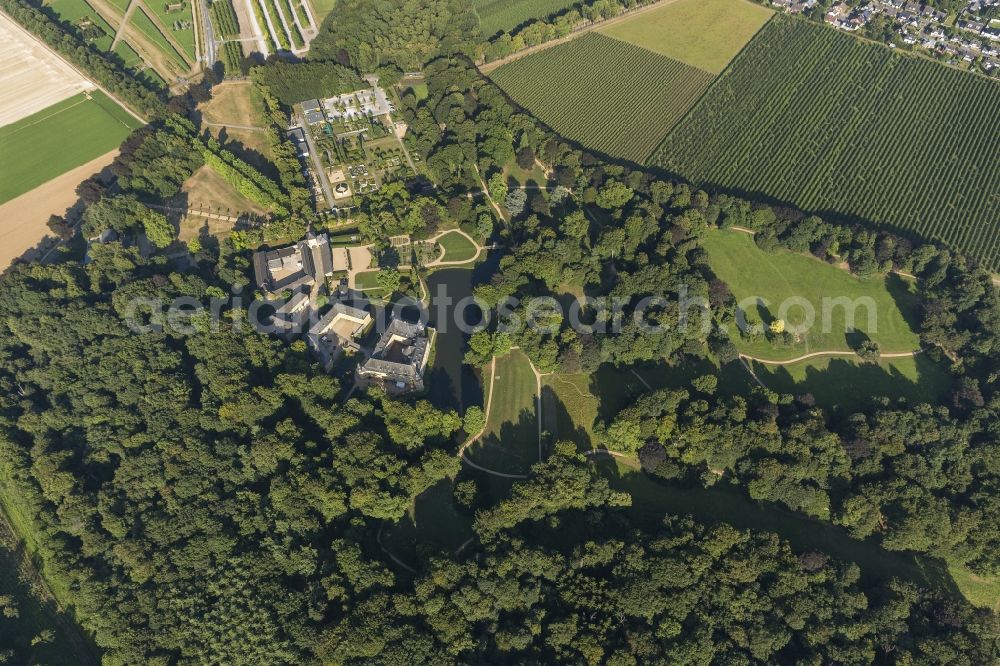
(202, 493)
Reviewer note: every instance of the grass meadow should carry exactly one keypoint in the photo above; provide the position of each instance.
(774, 279)
(60, 138)
(706, 34)
(652, 500)
(145, 25)
(510, 443)
(456, 247)
(183, 35)
(847, 384)
(73, 11)
(505, 15)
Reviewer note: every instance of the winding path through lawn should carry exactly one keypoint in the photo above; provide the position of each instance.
(806, 357)
(486, 416)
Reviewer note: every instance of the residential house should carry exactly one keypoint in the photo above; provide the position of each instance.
(313, 111)
(298, 137)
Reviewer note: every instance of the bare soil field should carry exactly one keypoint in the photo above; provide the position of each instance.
(24, 218)
(31, 77)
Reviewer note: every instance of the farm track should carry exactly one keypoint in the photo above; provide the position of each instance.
(166, 33)
(120, 32)
(164, 65)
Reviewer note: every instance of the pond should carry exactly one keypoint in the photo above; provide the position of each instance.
(450, 383)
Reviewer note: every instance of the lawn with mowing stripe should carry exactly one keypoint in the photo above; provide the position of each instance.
(510, 443)
(60, 138)
(706, 34)
(569, 409)
(764, 282)
(456, 247)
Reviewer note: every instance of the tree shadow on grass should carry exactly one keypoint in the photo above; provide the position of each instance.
(654, 498)
(559, 424)
(845, 386)
(511, 451)
(907, 300)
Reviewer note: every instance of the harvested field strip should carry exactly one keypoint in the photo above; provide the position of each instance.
(32, 77)
(833, 124)
(608, 95)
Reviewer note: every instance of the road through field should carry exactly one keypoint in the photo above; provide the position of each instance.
(22, 220)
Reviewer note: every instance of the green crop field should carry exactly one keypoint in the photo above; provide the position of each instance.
(608, 95)
(510, 443)
(505, 15)
(706, 34)
(774, 279)
(823, 120)
(60, 138)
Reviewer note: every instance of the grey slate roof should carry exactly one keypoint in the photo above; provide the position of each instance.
(400, 354)
(302, 264)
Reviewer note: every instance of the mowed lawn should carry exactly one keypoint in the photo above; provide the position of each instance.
(706, 34)
(456, 247)
(765, 283)
(510, 443)
(44, 145)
